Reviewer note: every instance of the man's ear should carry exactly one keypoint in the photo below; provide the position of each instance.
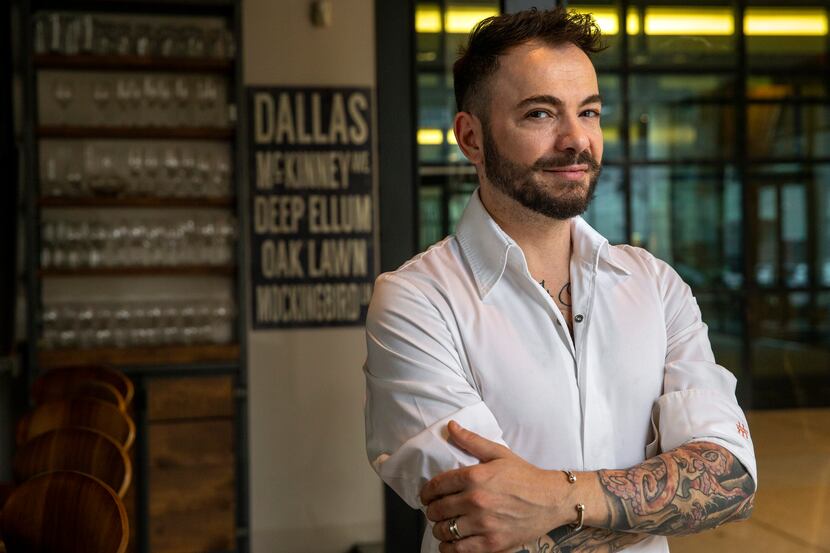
(470, 136)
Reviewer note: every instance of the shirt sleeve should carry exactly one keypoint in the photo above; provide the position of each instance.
(698, 401)
(415, 384)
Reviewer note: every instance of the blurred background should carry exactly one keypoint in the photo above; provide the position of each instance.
(126, 241)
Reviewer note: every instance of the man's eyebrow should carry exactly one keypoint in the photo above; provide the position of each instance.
(554, 101)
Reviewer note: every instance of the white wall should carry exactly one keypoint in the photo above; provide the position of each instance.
(311, 486)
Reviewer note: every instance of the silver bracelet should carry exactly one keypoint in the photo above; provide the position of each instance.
(580, 508)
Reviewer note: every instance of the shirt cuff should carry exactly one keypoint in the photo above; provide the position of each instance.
(429, 453)
(705, 415)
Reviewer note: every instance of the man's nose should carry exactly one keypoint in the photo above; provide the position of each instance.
(572, 136)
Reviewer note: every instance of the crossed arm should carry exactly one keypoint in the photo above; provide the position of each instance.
(504, 503)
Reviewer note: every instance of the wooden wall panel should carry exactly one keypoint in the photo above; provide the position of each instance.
(185, 398)
(191, 444)
(193, 532)
(191, 465)
(182, 491)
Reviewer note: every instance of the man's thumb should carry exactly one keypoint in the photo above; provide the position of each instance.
(477, 446)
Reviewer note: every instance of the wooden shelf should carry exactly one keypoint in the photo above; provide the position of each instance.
(135, 202)
(178, 133)
(132, 63)
(191, 270)
(163, 355)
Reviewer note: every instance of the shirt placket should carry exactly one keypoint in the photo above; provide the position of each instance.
(583, 283)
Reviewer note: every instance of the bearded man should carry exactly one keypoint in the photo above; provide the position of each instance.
(529, 386)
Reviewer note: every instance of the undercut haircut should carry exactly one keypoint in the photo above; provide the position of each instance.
(494, 36)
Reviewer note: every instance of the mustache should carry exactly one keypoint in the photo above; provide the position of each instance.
(552, 162)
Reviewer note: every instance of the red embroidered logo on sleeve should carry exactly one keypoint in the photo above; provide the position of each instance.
(742, 430)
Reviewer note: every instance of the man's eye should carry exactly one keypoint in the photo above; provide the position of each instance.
(591, 113)
(538, 114)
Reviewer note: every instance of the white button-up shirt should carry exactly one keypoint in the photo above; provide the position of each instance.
(462, 331)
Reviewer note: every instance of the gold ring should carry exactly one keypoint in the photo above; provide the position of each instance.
(454, 529)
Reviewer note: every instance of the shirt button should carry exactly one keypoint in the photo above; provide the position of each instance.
(579, 317)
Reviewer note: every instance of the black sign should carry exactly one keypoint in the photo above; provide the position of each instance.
(312, 206)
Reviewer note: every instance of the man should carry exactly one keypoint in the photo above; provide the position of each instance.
(523, 376)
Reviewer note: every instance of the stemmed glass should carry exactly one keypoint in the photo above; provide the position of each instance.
(188, 186)
(123, 39)
(63, 93)
(201, 179)
(51, 182)
(101, 94)
(222, 176)
(142, 39)
(172, 173)
(164, 96)
(195, 40)
(41, 34)
(151, 166)
(151, 97)
(135, 171)
(136, 117)
(181, 91)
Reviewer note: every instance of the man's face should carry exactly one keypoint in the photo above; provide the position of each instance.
(542, 140)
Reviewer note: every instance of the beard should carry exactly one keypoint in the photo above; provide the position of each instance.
(562, 200)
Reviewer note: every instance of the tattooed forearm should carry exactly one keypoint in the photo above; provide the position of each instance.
(589, 540)
(692, 488)
(598, 540)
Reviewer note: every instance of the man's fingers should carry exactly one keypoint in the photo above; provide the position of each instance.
(446, 483)
(478, 446)
(445, 508)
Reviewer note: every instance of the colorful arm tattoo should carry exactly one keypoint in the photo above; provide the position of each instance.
(692, 488)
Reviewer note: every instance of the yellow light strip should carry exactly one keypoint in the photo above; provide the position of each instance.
(608, 21)
(451, 137)
(430, 137)
(697, 21)
(785, 22)
(632, 24)
(606, 18)
(428, 19)
(463, 19)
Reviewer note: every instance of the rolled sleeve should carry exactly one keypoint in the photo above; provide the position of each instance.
(698, 401)
(415, 384)
(429, 453)
(705, 415)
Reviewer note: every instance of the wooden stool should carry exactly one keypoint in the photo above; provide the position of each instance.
(61, 383)
(78, 412)
(64, 512)
(78, 449)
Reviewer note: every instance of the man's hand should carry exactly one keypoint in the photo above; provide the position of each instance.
(498, 504)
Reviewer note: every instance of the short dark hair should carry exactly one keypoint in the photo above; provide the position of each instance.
(494, 36)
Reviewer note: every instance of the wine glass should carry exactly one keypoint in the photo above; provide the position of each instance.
(181, 91)
(151, 166)
(135, 170)
(63, 93)
(151, 96)
(165, 94)
(101, 95)
(142, 39)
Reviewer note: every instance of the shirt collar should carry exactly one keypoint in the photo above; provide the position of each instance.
(487, 247)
